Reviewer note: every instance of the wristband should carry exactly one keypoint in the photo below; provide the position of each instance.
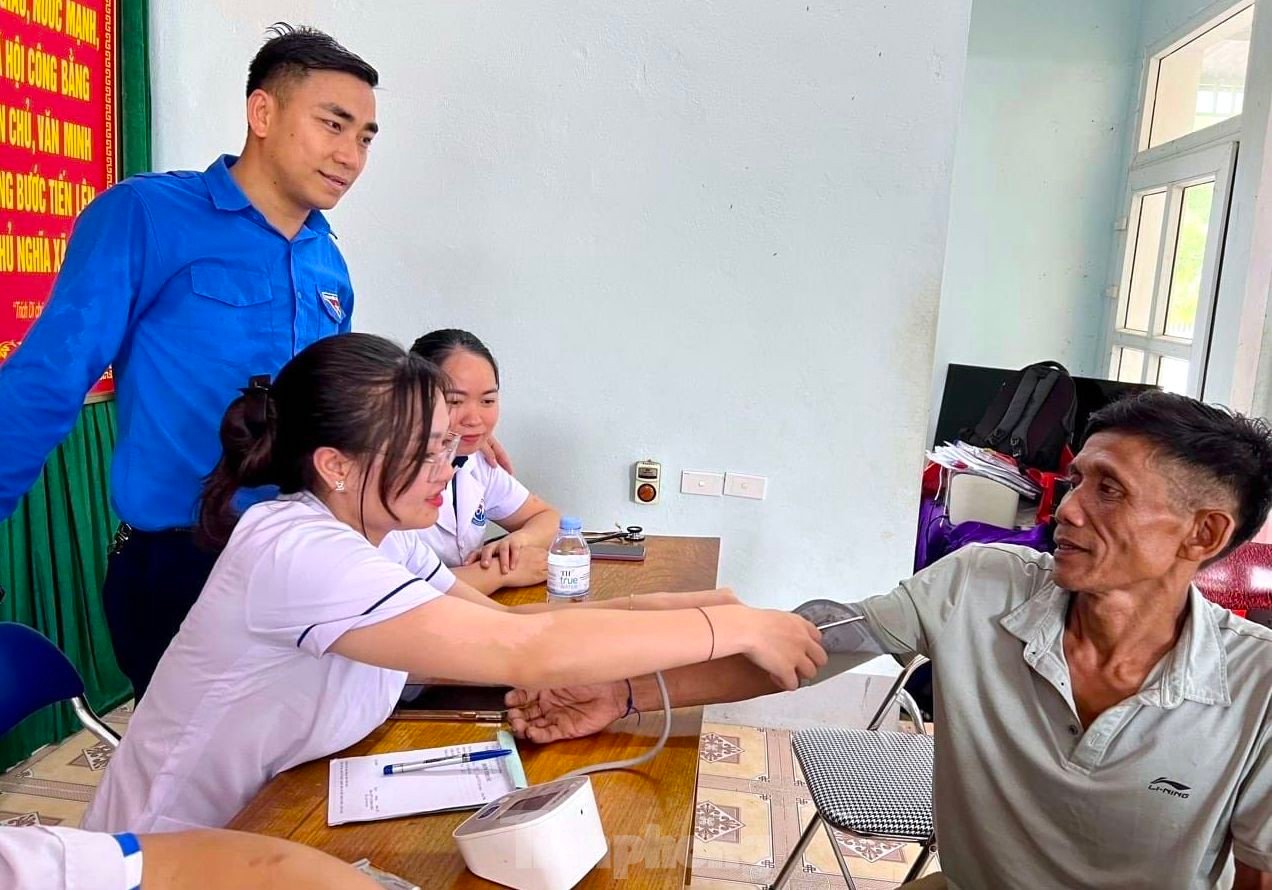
(131, 848)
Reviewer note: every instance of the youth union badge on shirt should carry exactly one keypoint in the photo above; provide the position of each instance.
(332, 303)
(479, 518)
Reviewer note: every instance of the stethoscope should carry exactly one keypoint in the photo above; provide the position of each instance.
(633, 534)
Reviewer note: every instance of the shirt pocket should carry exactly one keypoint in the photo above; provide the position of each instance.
(237, 288)
(226, 302)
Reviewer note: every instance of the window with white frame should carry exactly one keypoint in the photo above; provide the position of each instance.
(1177, 205)
(1200, 81)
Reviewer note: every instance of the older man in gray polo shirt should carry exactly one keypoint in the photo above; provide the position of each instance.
(1100, 723)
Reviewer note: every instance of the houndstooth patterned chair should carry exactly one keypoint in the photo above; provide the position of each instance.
(870, 783)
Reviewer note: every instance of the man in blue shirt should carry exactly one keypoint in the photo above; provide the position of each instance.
(188, 284)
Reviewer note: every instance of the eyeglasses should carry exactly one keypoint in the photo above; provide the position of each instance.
(437, 464)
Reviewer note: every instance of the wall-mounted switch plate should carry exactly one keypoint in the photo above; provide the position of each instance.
(738, 485)
(701, 482)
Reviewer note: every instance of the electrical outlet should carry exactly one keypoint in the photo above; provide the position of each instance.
(737, 485)
(701, 482)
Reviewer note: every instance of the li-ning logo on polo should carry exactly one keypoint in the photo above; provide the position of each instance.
(479, 518)
(1169, 786)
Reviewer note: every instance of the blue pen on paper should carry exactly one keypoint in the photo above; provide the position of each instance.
(395, 769)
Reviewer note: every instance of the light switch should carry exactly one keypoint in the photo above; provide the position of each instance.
(739, 486)
(701, 482)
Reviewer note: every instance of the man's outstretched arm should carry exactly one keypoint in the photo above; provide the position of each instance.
(549, 715)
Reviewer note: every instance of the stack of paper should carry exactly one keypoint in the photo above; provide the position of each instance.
(964, 458)
(361, 792)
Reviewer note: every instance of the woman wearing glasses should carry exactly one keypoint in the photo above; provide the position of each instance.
(481, 493)
(317, 608)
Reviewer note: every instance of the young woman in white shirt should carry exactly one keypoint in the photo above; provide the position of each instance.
(480, 492)
(301, 640)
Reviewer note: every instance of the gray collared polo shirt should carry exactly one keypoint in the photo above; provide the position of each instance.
(1156, 793)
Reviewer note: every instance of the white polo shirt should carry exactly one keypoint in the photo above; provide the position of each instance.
(478, 493)
(39, 857)
(247, 688)
(1154, 794)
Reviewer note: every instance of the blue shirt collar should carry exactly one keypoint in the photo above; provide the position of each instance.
(226, 194)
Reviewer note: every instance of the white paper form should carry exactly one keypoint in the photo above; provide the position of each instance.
(359, 790)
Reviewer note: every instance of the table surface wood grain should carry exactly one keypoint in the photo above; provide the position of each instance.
(647, 812)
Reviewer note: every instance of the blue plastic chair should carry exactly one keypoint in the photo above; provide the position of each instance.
(34, 673)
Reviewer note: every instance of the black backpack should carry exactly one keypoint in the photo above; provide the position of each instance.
(1031, 418)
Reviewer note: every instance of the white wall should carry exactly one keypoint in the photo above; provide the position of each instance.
(707, 233)
(1162, 18)
(1041, 152)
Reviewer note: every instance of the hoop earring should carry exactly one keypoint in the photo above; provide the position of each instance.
(340, 485)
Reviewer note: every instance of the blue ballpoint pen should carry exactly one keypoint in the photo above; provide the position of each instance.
(394, 769)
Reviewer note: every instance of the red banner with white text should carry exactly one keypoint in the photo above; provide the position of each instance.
(57, 145)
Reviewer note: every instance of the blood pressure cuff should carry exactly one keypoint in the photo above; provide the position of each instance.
(848, 645)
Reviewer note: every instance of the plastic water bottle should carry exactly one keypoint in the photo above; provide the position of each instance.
(569, 563)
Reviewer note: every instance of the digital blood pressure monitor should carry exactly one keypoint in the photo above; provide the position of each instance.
(546, 837)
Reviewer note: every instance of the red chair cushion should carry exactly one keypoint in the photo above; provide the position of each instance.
(1241, 580)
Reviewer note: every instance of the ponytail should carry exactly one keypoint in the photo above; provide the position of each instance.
(357, 393)
(248, 433)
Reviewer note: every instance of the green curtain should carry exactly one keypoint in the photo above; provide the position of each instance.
(52, 562)
(53, 548)
(133, 25)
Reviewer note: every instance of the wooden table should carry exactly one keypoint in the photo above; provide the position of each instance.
(647, 812)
